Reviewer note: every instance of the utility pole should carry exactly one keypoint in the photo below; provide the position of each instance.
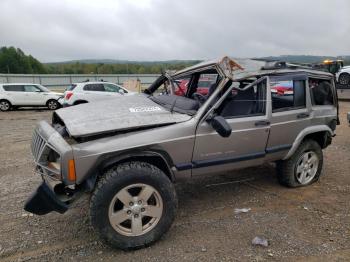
(8, 69)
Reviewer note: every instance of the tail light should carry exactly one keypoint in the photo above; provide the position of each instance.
(68, 95)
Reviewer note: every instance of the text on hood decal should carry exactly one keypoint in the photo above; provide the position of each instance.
(144, 109)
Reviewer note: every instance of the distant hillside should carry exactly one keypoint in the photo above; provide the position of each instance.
(14, 60)
(108, 66)
(287, 58)
(305, 58)
(116, 61)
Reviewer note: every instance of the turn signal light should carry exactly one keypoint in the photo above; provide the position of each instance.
(71, 171)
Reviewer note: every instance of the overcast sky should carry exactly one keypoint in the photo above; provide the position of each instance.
(58, 30)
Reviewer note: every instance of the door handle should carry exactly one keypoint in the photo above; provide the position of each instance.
(303, 115)
(262, 123)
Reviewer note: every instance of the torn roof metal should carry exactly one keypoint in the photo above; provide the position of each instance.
(240, 68)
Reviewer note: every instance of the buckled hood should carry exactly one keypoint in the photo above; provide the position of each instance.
(119, 114)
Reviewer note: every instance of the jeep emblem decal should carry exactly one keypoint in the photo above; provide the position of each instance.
(144, 109)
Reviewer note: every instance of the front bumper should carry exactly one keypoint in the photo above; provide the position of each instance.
(61, 100)
(43, 201)
(55, 192)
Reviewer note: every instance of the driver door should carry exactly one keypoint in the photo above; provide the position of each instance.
(246, 113)
(34, 95)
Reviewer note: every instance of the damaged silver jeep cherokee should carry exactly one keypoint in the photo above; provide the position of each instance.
(128, 152)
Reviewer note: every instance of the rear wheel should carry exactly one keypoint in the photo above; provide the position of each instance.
(133, 205)
(303, 167)
(344, 79)
(52, 104)
(5, 105)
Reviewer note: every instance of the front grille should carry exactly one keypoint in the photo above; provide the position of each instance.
(38, 146)
(41, 150)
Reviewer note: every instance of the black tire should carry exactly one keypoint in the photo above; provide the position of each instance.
(116, 180)
(52, 104)
(287, 169)
(344, 79)
(5, 105)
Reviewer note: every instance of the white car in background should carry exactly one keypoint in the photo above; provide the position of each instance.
(343, 75)
(15, 95)
(84, 92)
(343, 82)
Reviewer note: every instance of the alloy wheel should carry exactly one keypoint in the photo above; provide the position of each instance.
(52, 105)
(135, 210)
(4, 106)
(344, 79)
(307, 167)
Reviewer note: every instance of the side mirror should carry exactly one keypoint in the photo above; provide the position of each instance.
(221, 126)
(121, 91)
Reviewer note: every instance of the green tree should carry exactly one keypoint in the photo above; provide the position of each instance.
(13, 60)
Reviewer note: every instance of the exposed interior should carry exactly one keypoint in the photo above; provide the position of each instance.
(186, 94)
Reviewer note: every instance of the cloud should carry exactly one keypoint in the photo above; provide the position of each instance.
(158, 29)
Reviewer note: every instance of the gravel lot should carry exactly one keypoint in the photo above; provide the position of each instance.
(305, 224)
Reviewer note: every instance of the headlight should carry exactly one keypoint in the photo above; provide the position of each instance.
(54, 166)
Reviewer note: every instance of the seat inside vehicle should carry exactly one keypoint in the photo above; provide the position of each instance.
(243, 101)
(240, 104)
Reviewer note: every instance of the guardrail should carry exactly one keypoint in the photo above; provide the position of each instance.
(59, 81)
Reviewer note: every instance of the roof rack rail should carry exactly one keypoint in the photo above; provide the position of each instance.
(270, 65)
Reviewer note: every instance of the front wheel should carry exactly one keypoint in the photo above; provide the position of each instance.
(52, 104)
(133, 205)
(303, 167)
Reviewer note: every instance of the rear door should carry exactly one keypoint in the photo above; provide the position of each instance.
(15, 94)
(246, 113)
(94, 92)
(289, 114)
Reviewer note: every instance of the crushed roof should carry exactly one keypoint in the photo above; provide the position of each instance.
(238, 68)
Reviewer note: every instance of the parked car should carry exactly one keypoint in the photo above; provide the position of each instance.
(129, 152)
(343, 75)
(203, 86)
(84, 92)
(343, 82)
(282, 88)
(17, 95)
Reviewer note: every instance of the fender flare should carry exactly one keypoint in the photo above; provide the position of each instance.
(108, 161)
(307, 131)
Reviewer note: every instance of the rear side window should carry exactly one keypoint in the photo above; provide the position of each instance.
(31, 88)
(13, 88)
(94, 87)
(113, 88)
(321, 92)
(287, 94)
(71, 87)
